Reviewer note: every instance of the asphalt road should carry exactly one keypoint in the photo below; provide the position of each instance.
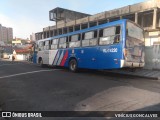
(27, 87)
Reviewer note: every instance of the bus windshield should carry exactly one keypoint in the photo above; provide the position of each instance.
(134, 31)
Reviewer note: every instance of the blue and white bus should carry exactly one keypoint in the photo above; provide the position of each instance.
(111, 45)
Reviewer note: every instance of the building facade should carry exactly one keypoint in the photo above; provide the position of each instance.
(20, 42)
(32, 37)
(146, 14)
(6, 34)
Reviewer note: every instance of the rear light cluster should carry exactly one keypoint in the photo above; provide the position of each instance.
(125, 52)
(116, 61)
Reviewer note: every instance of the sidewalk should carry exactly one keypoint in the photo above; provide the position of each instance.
(2, 59)
(143, 73)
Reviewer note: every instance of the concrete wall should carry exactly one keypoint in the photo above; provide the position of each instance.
(156, 56)
(152, 57)
(148, 57)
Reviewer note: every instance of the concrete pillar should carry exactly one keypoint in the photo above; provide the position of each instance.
(142, 20)
(88, 25)
(97, 23)
(159, 22)
(57, 31)
(136, 17)
(53, 32)
(49, 32)
(62, 30)
(154, 18)
(67, 29)
(43, 34)
(73, 28)
(80, 26)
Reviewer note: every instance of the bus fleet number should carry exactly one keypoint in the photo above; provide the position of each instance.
(110, 50)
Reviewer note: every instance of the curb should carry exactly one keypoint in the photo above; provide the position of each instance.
(147, 77)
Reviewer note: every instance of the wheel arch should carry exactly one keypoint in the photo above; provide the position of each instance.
(39, 59)
(71, 63)
(71, 58)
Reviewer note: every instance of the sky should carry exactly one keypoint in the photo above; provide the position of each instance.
(31, 16)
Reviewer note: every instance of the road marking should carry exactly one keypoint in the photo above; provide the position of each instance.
(26, 73)
(10, 64)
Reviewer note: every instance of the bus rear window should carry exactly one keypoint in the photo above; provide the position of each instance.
(134, 31)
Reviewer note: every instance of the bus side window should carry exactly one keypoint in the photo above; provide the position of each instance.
(95, 34)
(41, 45)
(108, 36)
(118, 30)
(46, 45)
(79, 37)
(94, 40)
(54, 44)
(63, 42)
(69, 39)
(36, 46)
(87, 37)
(90, 38)
(83, 34)
(101, 33)
(50, 43)
(117, 34)
(74, 40)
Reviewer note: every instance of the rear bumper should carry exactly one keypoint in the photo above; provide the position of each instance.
(131, 64)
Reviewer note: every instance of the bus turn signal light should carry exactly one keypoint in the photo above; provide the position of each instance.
(125, 52)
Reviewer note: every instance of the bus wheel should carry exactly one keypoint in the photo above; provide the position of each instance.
(133, 69)
(73, 65)
(41, 63)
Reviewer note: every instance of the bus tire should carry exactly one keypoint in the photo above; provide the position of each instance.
(73, 66)
(41, 63)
